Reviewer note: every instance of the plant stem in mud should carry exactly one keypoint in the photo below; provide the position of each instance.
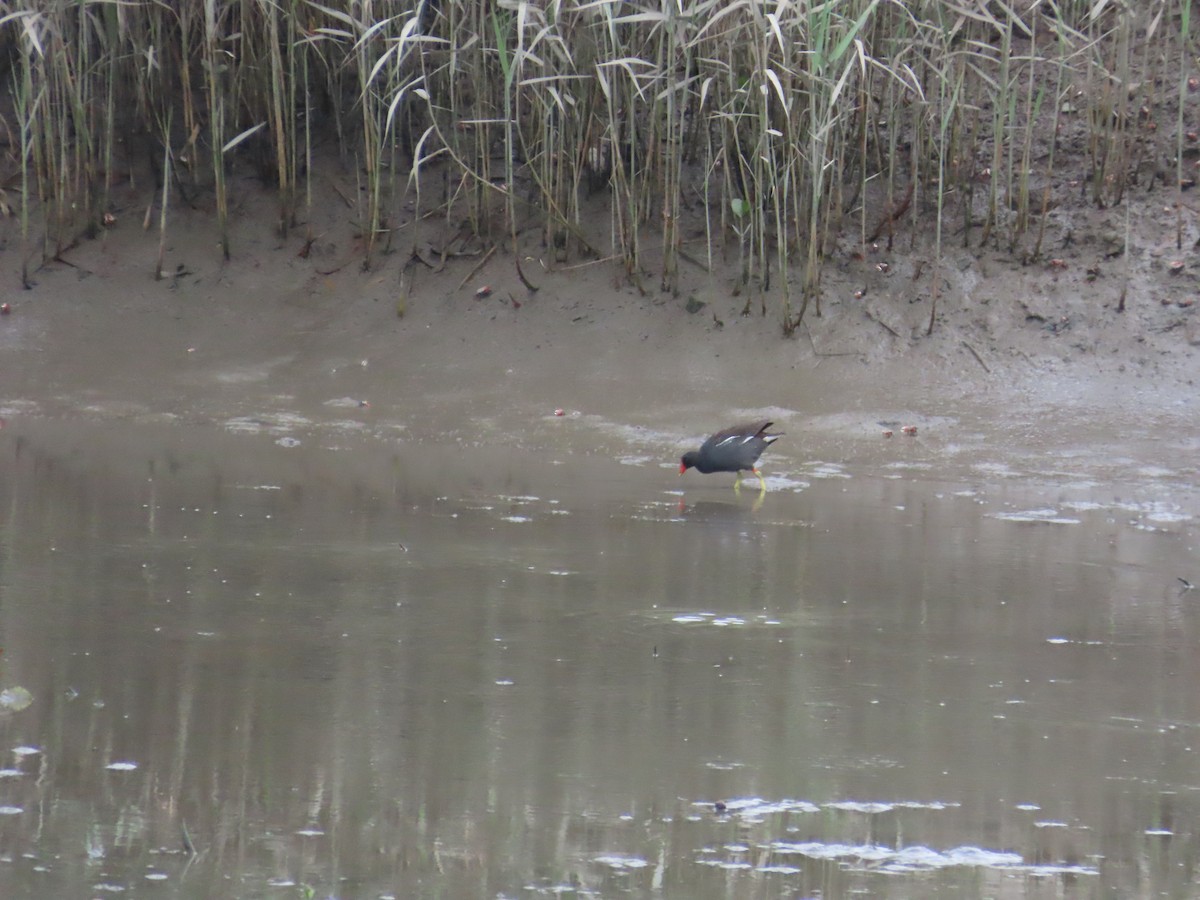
(1000, 120)
(941, 149)
(26, 104)
(110, 113)
(1059, 101)
(1035, 93)
(166, 191)
(1126, 262)
(509, 61)
(215, 64)
(308, 155)
(373, 137)
(1185, 56)
(281, 113)
(669, 110)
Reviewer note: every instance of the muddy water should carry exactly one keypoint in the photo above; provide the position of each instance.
(262, 666)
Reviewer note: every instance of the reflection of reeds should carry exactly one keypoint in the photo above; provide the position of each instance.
(763, 129)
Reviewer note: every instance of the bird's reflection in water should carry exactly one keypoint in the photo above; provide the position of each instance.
(719, 512)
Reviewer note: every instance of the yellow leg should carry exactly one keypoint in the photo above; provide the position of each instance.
(762, 481)
(737, 481)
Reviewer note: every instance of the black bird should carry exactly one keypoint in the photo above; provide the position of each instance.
(732, 449)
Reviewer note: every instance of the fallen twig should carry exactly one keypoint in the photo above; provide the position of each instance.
(978, 358)
(892, 214)
(590, 262)
(532, 288)
(882, 324)
(479, 265)
(338, 191)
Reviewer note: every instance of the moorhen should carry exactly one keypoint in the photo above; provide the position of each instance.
(732, 449)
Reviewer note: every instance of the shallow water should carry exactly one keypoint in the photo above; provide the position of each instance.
(262, 665)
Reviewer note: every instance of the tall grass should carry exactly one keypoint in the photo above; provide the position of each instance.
(770, 134)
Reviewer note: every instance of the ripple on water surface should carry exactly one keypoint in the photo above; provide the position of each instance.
(777, 855)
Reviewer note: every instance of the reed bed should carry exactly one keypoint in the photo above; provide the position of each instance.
(762, 134)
